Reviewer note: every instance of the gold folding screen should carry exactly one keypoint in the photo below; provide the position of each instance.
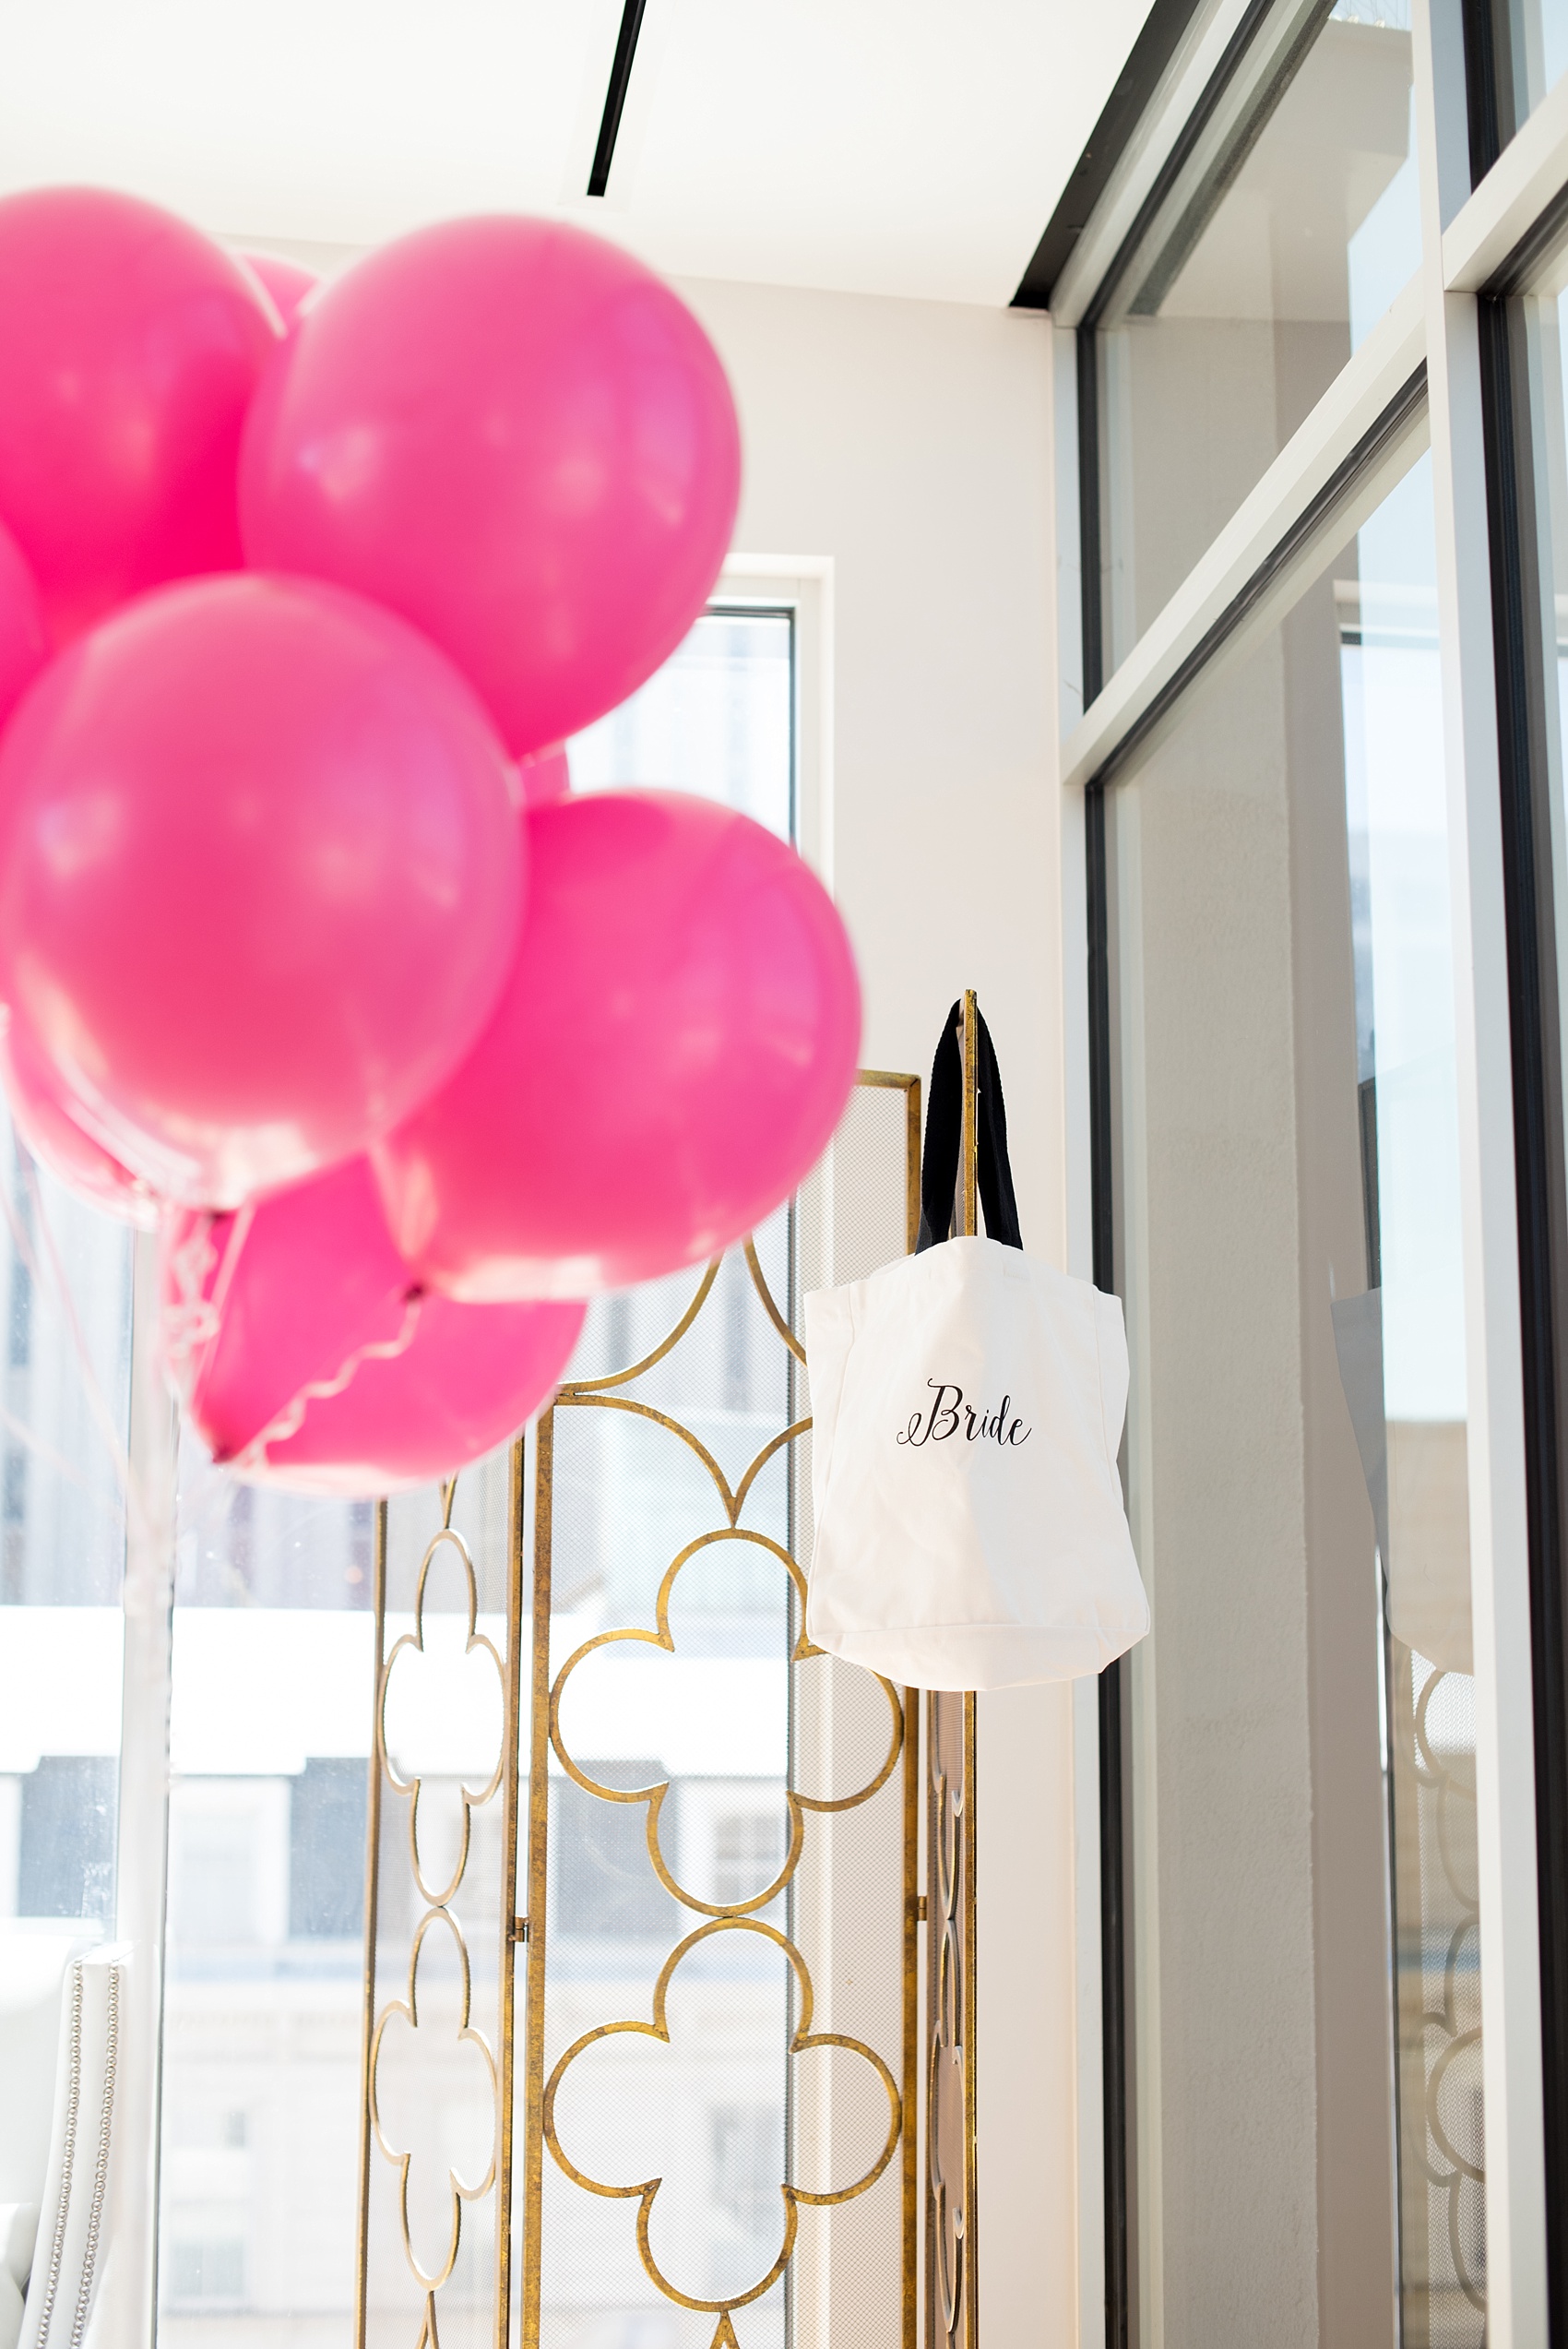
(705, 1838)
(434, 2151)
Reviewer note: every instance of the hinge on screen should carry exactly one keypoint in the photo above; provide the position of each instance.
(520, 1929)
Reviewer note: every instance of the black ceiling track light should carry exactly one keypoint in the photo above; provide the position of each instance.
(615, 96)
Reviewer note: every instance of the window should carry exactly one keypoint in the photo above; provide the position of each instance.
(65, 1844)
(748, 1851)
(1323, 691)
(210, 2274)
(716, 720)
(65, 1307)
(605, 1887)
(1529, 41)
(748, 2160)
(1285, 225)
(1291, 1244)
(327, 1828)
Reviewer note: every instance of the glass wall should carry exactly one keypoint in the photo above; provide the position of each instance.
(1290, 226)
(1531, 42)
(1329, 876)
(1304, 1958)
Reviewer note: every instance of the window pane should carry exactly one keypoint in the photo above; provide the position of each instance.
(716, 720)
(273, 1689)
(1532, 39)
(1301, 1717)
(64, 1394)
(1282, 242)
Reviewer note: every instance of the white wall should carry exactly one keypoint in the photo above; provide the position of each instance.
(910, 443)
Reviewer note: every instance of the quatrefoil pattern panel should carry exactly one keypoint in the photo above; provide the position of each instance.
(436, 2036)
(645, 2191)
(694, 1452)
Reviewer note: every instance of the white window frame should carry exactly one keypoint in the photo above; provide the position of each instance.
(802, 585)
(1465, 237)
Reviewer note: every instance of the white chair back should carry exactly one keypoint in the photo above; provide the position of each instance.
(72, 2246)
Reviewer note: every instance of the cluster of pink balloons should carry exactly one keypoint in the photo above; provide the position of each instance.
(308, 955)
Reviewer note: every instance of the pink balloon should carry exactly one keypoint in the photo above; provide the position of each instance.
(544, 776)
(517, 437)
(284, 282)
(291, 1335)
(463, 1380)
(131, 349)
(260, 876)
(52, 1134)
(261, 1307)
(670, 1054)
(24, 647)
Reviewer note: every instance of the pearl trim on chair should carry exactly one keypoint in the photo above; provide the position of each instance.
(68, 2159)
(68, 2165)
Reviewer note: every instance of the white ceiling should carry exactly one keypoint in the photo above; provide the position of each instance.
(900, 146)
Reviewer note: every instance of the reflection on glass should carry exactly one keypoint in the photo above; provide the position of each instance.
(1302, 1719)
(1284, 239)
(1531, 38)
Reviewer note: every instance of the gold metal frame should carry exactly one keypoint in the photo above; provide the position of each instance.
(533, 1927)
(529, 1929)
(372, 1903)
(793, 2196)
(437, 1901)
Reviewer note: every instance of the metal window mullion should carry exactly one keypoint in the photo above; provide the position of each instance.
(1499, 1514)
(1197, 59)
(1350, 409)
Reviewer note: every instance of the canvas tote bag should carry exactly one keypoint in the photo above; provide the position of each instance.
(967, 1408)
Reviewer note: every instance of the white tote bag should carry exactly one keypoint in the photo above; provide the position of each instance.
(966, 1410)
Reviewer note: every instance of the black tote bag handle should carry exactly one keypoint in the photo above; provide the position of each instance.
(944, 1140)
